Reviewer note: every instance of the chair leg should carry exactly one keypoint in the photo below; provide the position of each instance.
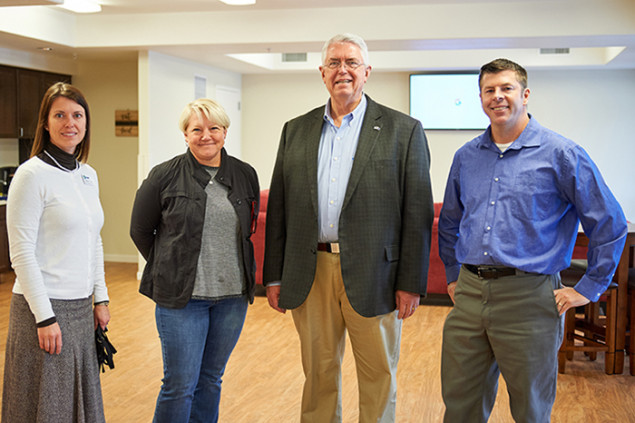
(631, 349)
(592, 316)
(611, 316)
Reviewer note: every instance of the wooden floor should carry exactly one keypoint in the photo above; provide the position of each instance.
(263, 381)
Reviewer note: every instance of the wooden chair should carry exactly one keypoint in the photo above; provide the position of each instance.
(596, 332)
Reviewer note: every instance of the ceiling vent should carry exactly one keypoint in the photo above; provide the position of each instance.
(563, 50)
(293, 57)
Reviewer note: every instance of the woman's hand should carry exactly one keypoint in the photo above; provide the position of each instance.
(102, 315)
(50, 338)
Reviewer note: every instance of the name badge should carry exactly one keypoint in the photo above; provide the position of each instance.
(86, 180)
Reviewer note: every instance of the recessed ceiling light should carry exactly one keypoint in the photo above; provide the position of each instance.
(82, 6)
(239, 2)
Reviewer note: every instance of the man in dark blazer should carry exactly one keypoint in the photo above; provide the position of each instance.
(348, 235)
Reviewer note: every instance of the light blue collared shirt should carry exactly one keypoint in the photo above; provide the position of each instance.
(335, 161)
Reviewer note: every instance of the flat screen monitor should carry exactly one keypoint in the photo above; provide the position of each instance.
(447, 101)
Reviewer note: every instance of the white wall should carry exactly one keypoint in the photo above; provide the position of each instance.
(166, 85)
(592, 107)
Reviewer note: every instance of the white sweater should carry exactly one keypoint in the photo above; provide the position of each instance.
(54, 218)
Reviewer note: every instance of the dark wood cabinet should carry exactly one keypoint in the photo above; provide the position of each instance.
(22, 91)
(5, 264)
(28, 102)
(8, 102)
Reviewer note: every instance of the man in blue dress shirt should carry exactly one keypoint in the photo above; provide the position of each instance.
(513, 201)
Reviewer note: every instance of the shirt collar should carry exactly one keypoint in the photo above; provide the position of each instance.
(526, 138)
(356, 114)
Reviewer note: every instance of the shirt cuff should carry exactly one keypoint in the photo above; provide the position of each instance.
(452, 273)
(47, 322)
(590, 288)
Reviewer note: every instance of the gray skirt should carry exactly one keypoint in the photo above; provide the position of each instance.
(41, 387)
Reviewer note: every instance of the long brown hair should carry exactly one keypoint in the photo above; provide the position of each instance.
(42, 136)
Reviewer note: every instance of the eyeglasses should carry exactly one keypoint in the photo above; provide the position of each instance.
(348, 64)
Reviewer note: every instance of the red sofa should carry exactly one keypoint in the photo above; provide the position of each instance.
(437, 286)
(258, 238)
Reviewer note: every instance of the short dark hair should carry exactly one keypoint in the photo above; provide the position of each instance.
(42, 135)
(500, 65)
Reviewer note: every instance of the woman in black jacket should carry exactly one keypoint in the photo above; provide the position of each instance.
(192, 221)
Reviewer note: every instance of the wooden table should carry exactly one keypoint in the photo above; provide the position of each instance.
(615, 361)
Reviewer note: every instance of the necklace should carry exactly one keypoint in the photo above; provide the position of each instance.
(59, 165)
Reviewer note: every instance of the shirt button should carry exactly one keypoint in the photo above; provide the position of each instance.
(488, 228)
(485, 253)
(495, 179)
(331, 225)
(335, 158)
(333, 179)
(493, 202)
(332, 202)
(500, 156)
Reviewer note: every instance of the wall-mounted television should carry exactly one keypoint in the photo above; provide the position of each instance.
(447, 101)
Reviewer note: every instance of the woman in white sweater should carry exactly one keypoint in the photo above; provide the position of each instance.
(54, 219)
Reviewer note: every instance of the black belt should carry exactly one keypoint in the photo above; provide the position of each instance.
(487, 272)
(329, 247)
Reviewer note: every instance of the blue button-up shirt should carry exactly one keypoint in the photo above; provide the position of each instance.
(522, 207)
(335, 162)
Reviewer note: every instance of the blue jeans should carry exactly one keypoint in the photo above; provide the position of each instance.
(196, 342)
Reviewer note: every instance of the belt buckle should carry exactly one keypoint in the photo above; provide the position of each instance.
(334, 247)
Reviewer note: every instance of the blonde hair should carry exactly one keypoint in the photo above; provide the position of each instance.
(204, 107)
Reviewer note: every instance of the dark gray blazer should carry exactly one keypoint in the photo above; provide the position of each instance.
(386, 218)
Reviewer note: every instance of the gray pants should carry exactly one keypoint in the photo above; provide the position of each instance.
(507, 326)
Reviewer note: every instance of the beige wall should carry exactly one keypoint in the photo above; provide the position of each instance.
(110, 86)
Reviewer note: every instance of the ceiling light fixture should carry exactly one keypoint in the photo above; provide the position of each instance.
(82, 6)
(239, 2)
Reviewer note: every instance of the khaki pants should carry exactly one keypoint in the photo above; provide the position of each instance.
(322, 321)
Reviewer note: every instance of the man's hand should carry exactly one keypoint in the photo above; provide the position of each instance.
(50, 338)
(407, 303)
(451, 288)
(273, 295)
(567, 298)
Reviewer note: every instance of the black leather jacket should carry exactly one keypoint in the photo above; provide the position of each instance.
(167, 223)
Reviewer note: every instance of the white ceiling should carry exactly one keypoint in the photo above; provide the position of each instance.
(402, 35)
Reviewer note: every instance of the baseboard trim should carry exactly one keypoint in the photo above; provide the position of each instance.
(122, 258)
(437, 300)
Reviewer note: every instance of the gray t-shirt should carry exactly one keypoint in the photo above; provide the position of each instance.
(219, 272)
